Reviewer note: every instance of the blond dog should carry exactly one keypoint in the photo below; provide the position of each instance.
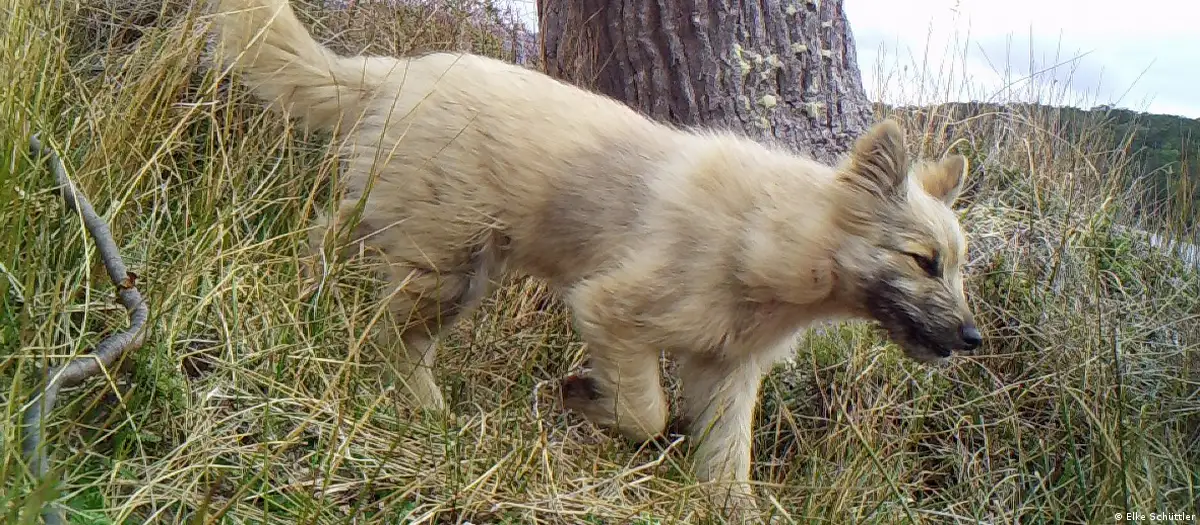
(710, 246)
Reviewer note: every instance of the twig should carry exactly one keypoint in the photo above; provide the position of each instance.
(108, 351)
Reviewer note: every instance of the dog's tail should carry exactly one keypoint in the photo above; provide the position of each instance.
(282, 63)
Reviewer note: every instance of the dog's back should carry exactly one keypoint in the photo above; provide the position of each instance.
(472, 145)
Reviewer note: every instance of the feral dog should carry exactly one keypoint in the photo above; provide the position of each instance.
(710, 246)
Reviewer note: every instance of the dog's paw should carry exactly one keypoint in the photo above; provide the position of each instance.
(579, 390)
(732, 504)
(589, 397)
(583, 395)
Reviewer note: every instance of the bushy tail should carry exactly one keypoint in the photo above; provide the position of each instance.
(282, 63)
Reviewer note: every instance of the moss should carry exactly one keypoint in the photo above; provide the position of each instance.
(739, 54)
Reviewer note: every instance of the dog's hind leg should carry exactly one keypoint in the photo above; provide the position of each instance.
(413, 353)
(424, 304)
(429, 289)
(719, 397)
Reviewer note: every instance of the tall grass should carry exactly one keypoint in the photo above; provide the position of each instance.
(259, 397)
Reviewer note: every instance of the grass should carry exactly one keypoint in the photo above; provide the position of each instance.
(254, 401)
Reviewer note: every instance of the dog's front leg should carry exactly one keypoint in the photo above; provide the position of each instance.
(719, 397)
(623, 390)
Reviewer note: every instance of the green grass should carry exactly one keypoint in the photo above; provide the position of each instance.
(255, 400)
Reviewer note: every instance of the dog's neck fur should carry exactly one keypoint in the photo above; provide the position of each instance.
(788, 252)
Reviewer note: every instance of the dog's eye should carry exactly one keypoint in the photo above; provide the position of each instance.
(929, 264)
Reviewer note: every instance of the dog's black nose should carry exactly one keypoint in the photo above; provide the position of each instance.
(970, 336)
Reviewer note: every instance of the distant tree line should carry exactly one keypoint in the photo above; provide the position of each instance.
(1165, 149)
(1155, 154)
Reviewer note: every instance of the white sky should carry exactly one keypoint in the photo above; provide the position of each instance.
(1142, 55)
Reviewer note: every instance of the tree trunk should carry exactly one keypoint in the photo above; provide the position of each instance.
(776, 69)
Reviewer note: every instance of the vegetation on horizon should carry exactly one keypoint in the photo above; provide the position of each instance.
(1160, 173)
(257, 398)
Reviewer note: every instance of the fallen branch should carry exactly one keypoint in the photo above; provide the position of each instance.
(107, 352)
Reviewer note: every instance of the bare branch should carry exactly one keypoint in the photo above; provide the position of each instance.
(108, 351)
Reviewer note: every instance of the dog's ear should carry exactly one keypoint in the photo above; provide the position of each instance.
(878, 162)
(944, 179)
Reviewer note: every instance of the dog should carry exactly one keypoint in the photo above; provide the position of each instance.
(715, 248)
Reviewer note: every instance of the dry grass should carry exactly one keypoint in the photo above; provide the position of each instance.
(254, 401)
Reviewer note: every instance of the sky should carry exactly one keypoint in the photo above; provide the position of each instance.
(1142, 55)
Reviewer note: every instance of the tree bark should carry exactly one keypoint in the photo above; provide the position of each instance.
(782, 70)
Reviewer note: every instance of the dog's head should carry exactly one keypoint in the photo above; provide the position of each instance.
(905, 249)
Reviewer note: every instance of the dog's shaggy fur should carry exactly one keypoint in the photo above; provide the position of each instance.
(713, 247)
